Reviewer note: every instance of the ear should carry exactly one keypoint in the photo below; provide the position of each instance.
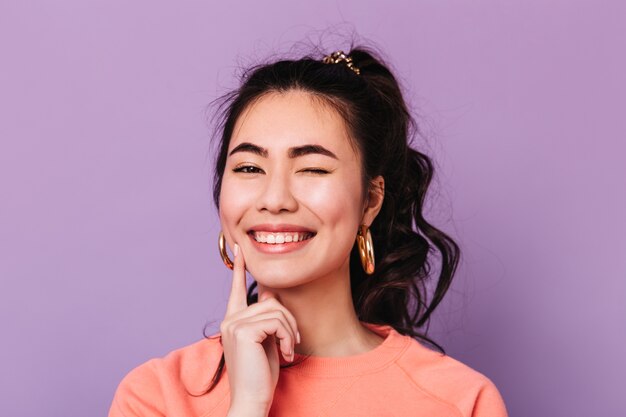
(374, 200)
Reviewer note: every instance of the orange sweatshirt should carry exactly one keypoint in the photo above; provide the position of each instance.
(400, 377)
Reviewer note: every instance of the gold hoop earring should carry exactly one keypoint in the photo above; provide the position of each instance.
(222, 245)
(366, 249)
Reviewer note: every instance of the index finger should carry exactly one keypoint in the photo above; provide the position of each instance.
(238, 298)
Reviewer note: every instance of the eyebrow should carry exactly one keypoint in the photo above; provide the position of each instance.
(249, 147)
(294, 152)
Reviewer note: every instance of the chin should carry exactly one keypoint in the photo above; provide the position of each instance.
(279, 277)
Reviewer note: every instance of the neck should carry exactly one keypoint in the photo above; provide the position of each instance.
(324, 311)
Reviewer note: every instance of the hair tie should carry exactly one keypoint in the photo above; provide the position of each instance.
(339, 56)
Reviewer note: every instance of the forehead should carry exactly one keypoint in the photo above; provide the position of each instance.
(278, 121)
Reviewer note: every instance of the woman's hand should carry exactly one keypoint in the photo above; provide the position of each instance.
(249, 337)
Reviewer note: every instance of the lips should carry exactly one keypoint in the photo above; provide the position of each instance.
(280, 235)
(277, 228)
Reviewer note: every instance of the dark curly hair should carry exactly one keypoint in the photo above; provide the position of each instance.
(375, 112)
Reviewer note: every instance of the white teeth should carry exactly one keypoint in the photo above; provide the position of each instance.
(279, 238)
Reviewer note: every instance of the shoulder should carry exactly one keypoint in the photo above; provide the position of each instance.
(448, 380)
(145, 389)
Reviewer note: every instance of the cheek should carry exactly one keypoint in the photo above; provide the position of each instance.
(233, 202)
(336, 202)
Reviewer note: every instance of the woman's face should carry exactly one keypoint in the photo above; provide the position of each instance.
(291, 193)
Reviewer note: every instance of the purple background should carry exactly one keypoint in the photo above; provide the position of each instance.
(108, 236)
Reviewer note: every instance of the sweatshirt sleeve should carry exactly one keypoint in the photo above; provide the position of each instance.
(489, 402)
(138, 394)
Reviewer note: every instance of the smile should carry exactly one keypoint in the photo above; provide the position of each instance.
(277, 238)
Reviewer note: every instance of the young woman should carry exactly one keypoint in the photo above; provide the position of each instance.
(320, 199)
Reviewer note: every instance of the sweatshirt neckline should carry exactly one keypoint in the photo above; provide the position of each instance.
(393, 345)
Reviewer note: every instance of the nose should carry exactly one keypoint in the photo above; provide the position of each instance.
(276, 195)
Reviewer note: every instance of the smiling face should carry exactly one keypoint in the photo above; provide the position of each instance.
(291, 193)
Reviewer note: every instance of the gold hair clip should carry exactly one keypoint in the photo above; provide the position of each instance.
(340, 56)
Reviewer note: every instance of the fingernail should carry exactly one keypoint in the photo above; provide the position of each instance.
(236, 250)
(298, 337)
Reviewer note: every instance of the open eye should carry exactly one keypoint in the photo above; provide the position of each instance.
(248, 169)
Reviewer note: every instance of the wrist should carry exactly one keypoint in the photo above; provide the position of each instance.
(247, 411)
